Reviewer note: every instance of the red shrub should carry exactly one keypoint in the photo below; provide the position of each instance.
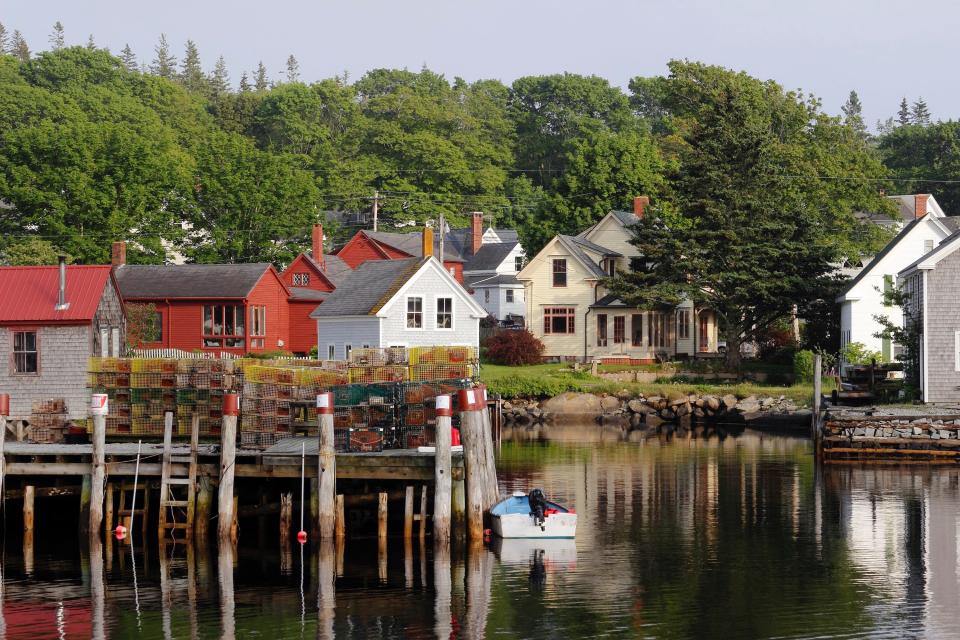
(513, 347)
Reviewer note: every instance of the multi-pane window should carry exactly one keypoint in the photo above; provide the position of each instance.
(601, 330)
(25, 358)
(301, 279)
(518, 263)
(619, 329)
(415, 313)
(444, 313)
(658, 330)
(509, 295)
(609, 266)
(331, 352)
(683, 324)
(636, 329)
(223, 325)
(560, 272)
(258, 326)
(558, 319)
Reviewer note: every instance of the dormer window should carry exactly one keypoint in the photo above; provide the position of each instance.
(609, 266)
(301, 279)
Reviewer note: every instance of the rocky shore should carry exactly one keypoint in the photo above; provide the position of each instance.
(649, 410)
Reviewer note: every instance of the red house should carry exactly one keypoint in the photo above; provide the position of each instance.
(236, 308)
(310, 278)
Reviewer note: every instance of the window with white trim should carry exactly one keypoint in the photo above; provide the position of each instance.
(509, 295)
(444, 313)
(415, 313)
(683, 323)
(517, 263)
(331, 352)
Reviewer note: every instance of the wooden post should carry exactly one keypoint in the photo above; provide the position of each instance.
(340, 529)
(408, 563)
(441, 471)
(165, 494)
(84, 521)
(327, 467)
(98, 476)
(442, 586)
(408, 513)
(97, 591)
(490, 464)
(227, 602)
(326, 589)
(474, 460)
(108, 514)
(286, 518)
(228, 455)
(817, 395)
(201, 514)
(28, 496)
(458, 505)
(382, 516)
(423, 514)
(4, 412)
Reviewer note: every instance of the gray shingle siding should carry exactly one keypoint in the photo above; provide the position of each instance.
(943, 320)
(341, 331)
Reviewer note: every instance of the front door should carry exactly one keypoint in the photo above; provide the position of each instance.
(704, 334)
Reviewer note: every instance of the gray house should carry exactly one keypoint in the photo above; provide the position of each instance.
(932, 287)
(409, 302)
(52, 321)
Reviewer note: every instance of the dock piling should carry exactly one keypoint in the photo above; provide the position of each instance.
(327, 468)
(98, 476)
(340, 528)
(228, 454)
(4, 412)
(442, 479)
(28, 500)
(408, 513)
(423, 514)
(382, 516)
(474, 460)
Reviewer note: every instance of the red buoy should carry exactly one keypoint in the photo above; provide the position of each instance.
(302, 537)
(120, 532)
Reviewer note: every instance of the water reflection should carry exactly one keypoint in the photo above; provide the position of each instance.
(734, 536)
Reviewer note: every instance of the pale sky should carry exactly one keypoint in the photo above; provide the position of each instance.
(883, 49)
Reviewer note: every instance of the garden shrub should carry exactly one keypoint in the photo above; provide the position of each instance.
(803, 366)
(513, 347)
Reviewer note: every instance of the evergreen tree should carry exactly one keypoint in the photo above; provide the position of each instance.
(220, 79)
(3, 39)
(260, 82)
(903, 116)
(853, 115)
(920, 114)
(18, 47)
(191, 71)
(56, 39)
(245, 83)
(91, 45)
(164, 64)
(129, 58)
(293, 69)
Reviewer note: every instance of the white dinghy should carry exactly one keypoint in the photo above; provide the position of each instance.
(531, 516)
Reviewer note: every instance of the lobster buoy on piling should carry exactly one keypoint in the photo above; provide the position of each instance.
(302, 537)
(120, 532)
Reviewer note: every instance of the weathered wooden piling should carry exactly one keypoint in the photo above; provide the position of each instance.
(474, 460)
(408, 513)
(4, 413)
(28, 501)
(327, 469)
(228, 455)
(443, 628)
(326, 586)
(225, 559)
(458, 505)
(98, 475)
(201, 516)
(108, 514)
(442, 466)
(286, 518)
(382, 499)
(84, 520)
(490, 465)
(422, 531)
(340, 528)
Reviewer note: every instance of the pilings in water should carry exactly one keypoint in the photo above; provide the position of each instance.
(327, 467)
(474, 460)
(443, 483)
(228, 455)
(98, 475)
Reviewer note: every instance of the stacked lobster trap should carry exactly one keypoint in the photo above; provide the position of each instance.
(383, 398)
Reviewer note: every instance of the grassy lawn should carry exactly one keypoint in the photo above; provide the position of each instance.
(545, 380)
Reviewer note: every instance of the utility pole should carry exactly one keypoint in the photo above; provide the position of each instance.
(376, 206)
(443, 231)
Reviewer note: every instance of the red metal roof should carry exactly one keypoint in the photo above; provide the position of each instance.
(29, 294)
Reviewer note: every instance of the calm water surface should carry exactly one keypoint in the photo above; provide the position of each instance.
(739, 537)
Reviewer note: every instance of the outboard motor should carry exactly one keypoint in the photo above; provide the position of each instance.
(538, 505)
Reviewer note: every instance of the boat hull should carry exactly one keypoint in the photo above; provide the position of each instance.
(517, 525)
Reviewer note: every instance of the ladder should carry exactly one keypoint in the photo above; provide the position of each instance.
(177, 493)
(125, 516)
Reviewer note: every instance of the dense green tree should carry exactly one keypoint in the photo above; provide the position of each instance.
(31, 251)
(903, 115)
(129, 58)
(164, 63)
(18, 47)
(245, 83)
(57, 40)
(755, 229)
(920, 157)
(191, 69)
(919, 113)
(219, 81)
(4, 38)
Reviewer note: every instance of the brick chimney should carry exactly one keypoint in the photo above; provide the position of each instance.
(920, 205)
(426, 249)
(118, 253)
(640, 204)
(476, 233)
(317, 247)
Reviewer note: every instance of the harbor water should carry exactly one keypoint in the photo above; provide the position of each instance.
(709, 535)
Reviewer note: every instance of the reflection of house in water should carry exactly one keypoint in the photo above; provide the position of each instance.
(901, 529)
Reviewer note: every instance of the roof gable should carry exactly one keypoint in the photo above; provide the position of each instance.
(455, 288)
(304, 261)
(36, 290)
(490, 256)
(929, 261)
(367, 287)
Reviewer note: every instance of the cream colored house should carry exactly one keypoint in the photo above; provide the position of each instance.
(569, 309)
